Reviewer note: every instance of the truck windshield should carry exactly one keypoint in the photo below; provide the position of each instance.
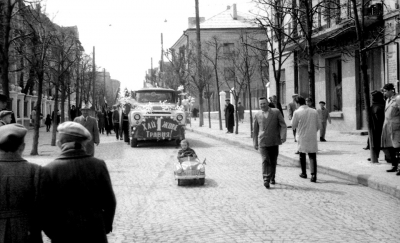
(155, 96)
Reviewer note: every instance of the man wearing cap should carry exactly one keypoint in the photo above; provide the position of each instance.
(229, 118)
(323, 117)
(391, 126)
(90, 124)
(5, 117)
(3, 106)
(269, 132)
(82, 201)
(115, 120)
(21, 189)
(291, 108)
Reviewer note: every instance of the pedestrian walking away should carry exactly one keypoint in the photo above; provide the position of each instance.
(269, 132)
(73, 112)
(21, 189)
(305, 121)
(116, 122)
(377, 119)
(100, 121)
(108, 121)
(390, 139)
(240, 110)
(291, 108)
(125, 123)
(324, 117)
(48, 122)
(81, 202)
(90, 124)
(229, 116)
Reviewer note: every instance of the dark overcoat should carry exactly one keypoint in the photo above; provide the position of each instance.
(377, 119)
(20, 193)
(82, 203)
(229, 118)
(91, 125)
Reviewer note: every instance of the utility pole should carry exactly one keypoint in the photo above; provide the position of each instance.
(105, 93)
(199, 59)
(162, 62)
(94, 77)
(151, 72)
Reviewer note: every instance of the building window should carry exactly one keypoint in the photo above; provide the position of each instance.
(229, 73)
(282, 85)
(334, 85)
(228, 48)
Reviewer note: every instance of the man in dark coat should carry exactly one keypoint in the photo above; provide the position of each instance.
(90, 124)
(20, 189)
(240, 110)
(116, 121)
(377, 119)
(3, 106)
(229, 118)
(82, 201)
(73, 112)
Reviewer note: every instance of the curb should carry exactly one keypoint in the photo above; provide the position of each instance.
(362, 179)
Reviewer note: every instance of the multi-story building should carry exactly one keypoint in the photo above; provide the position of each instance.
(338, 79)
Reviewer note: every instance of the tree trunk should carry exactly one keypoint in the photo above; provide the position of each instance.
(209, 111)
(55, 111)
(5, 46)
(201, 109)
(251, 113)
(199, 65)
(236, 115)
(69, 102)
(218, 99)
(35, 144)
(62, 103)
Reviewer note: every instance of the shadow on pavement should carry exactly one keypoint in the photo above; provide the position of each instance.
(293, 187)
(194, 183)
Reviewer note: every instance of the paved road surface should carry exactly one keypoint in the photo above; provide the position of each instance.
(233, 205)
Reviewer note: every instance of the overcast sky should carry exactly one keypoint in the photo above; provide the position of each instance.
(126, 33)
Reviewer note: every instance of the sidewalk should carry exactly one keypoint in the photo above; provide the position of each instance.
(342, 156)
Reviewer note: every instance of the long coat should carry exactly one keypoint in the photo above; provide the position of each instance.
(269, 131)
(305, 121)
(101, 121)
(391, 126)
(82, 203)
(377, 120)
(20, 193)
(91, 125)
(229, 118)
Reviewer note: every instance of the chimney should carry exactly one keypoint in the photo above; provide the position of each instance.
(234, 12)
(228, 7)
(192, 21)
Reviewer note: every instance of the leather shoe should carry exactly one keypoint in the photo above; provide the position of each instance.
(313, 178)
(303, 176)
(273, 182)
(297, 152)
(398, 173)
(394, 169)
(266, 184)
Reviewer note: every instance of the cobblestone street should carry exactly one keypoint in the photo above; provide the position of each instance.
(233, 205)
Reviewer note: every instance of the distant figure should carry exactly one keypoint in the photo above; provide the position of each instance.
(48, 122)
(115, 120)
(269, 132)
(240, 110)
(81, 200)
(90, 124)
(108, 121)
(377, 119)
(33, 116)
(3, 106)
(125, 123)
(309, 103)
(229, 116)
(291, 108)
(100, 120)
(324, 117)
(21, 191)
(305, 121)
(5, 117)
(195, 112)
(73, 112)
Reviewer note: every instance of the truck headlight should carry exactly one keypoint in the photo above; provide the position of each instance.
(136, 117)
(179, 117)
(201, 168)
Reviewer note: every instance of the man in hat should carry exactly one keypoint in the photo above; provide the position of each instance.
(5, 117)
(324, 117)
(291, 108)
(270, 124)
(229, 116)
(389, 145)
(90, 124)
(81, 205)
(116, 122)
(3, 106)
(20, 189)
(377, 117)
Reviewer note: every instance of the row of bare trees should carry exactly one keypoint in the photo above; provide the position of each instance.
(45, 58)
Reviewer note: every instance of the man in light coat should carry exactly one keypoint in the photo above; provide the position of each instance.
(90, 124)
(305, 121)
(21, 189)
(81, 201)
(390, 141)
(269, 132)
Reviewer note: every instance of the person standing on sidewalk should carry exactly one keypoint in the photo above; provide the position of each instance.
(229, 118)
(324, 117)
(240, 110)
(291, 108)
(305, 121)
(81, 201)
(126, 123)
(377, 119)
(115, 120)
(21, 189)
(391, 127)
(90, 124)
(269, 132)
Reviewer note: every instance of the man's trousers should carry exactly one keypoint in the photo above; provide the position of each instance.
(269, 156)
(313, 163)
(116, 129)
(393, 154)
(323, 130)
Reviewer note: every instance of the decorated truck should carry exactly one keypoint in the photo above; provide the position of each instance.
(157, 115)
